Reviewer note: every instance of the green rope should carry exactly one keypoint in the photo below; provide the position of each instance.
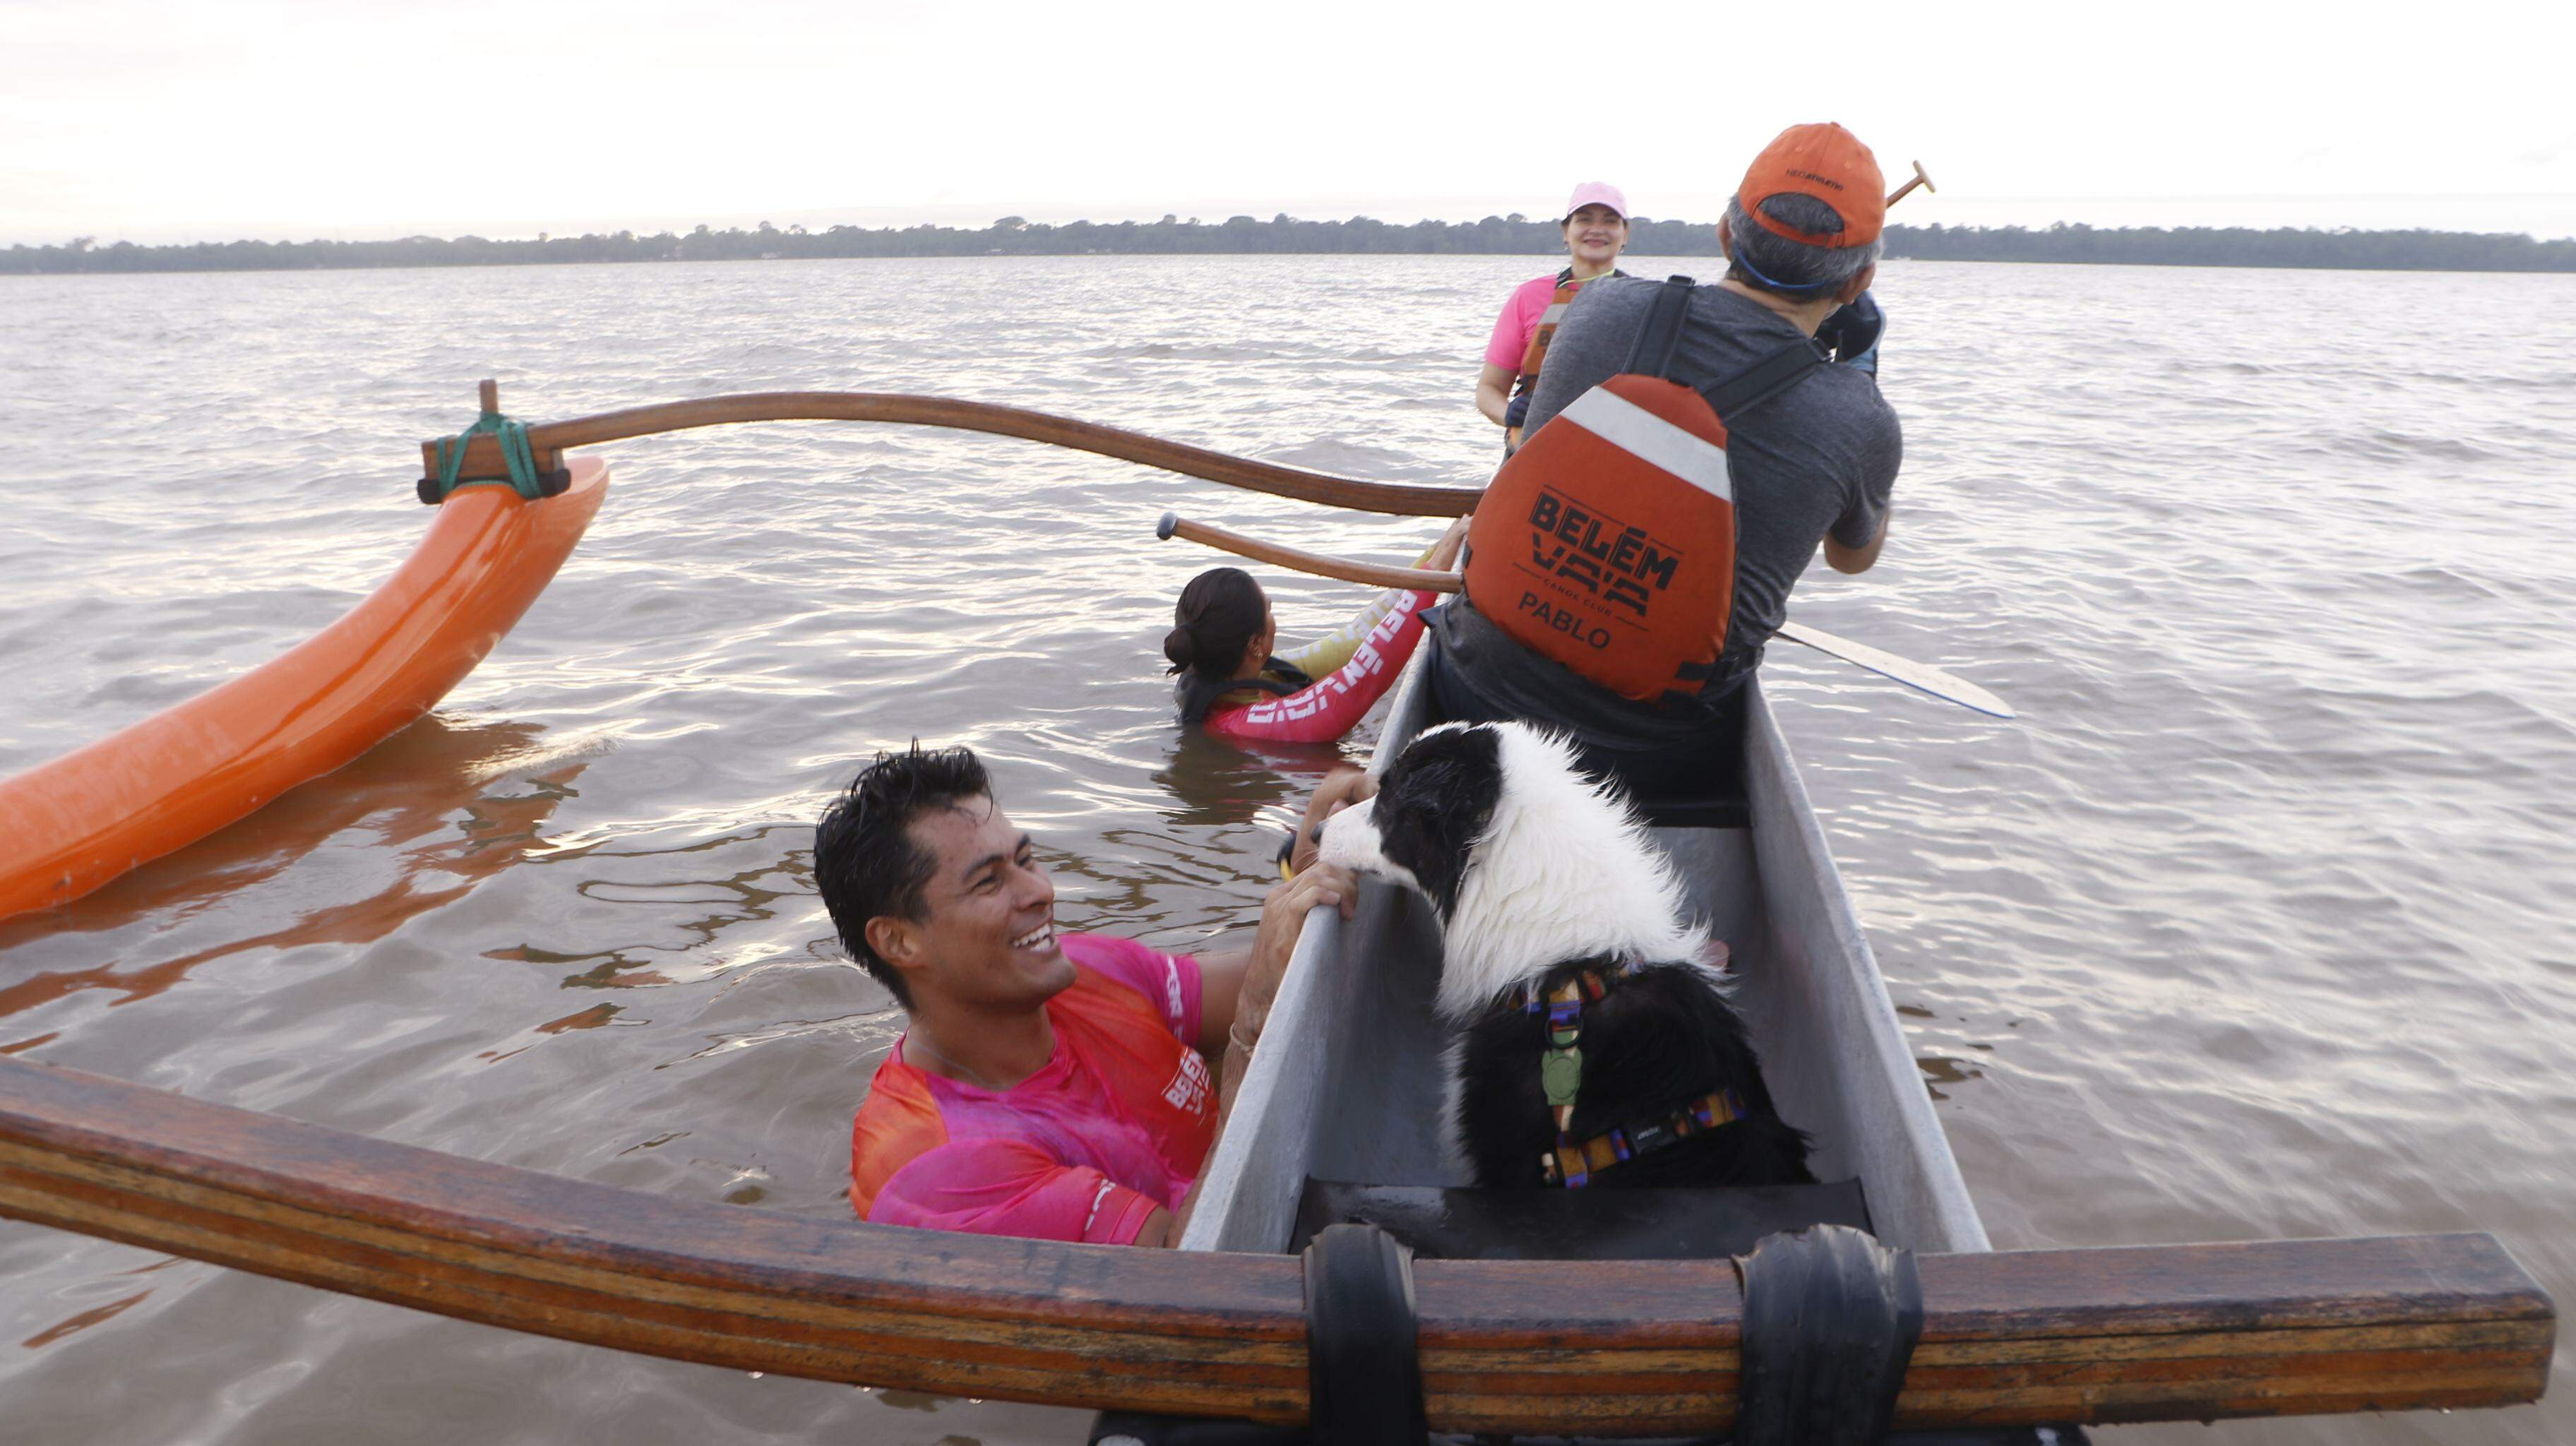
(515, 452)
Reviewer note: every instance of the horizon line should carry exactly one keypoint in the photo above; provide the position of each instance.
(541, 235)
(2558, 220)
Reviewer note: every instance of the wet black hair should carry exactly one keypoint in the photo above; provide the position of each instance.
(866, 864)
(1219, 615)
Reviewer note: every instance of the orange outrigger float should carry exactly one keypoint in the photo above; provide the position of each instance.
(1613, 1347)
(170, 780)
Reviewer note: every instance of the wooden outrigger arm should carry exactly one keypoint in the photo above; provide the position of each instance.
(549, 440)
(1637, 1348)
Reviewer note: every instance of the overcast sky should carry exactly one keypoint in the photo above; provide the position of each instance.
(211, 121)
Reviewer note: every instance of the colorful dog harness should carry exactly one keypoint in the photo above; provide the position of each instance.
(1573, 1162)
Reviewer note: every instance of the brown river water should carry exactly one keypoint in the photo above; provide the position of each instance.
(2258, 923)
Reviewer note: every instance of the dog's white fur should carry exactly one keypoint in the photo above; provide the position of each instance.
(1563, 871)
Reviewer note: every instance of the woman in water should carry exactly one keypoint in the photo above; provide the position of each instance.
(1596, 231)
(1231, 684)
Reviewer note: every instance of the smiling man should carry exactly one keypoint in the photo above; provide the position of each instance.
(1047, 1085)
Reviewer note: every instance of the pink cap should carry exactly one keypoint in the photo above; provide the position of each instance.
(1597, 193)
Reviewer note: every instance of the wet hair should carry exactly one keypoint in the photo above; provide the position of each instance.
(866, 864)
(1219, 615)
(1768, 262)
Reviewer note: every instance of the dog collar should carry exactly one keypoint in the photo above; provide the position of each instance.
(1573, 1162)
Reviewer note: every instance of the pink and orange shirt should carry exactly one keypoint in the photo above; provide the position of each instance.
(1115, 1126)
(1512, 330)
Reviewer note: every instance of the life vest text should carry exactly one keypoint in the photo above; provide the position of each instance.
(1611, 560)
(1564, 622)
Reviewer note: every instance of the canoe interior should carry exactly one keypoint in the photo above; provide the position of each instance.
(1359, 1096)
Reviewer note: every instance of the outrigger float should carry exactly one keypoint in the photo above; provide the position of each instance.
(1277, 1308)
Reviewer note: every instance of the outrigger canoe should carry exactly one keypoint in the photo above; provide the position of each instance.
(1340, 1117)
(1348, 1086)
(1651, 1343)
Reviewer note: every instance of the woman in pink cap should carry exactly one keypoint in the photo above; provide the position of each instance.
(1596, 231)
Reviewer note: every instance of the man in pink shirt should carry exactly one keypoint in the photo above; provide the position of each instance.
(1047, 1086)
(1596, 231)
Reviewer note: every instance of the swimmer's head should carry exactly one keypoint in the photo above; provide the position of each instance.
(930, 885)
(1222, 627)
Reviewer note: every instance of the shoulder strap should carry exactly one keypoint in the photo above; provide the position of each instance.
(1661, 334)
(1652, 355)
(1765, 379)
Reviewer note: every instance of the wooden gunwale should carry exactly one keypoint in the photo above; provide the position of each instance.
(547, 439)
(2035, 1337)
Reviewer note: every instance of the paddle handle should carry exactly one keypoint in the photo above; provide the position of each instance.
(1921, 178)
(1374, 574)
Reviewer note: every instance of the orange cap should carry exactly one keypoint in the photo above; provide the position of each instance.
(1826, 162)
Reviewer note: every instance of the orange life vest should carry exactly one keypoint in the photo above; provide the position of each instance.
(1534, 356)
(1607, 543)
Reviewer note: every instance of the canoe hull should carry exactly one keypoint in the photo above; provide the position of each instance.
(1359, 1094)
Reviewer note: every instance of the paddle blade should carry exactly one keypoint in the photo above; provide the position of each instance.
(1921, 676)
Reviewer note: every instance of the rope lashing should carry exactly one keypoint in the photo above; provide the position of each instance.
(517, 456)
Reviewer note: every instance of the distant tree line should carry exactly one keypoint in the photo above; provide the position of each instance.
(1282, 234)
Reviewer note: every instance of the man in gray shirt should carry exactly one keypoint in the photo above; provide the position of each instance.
(1810, 464)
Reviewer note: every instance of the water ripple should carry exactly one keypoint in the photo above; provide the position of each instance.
(2255, 925)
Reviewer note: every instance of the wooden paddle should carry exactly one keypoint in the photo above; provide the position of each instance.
(1921, 178)
(1374, 574)
(1922, 677)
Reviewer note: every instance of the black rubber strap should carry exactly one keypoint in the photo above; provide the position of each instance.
(1652, 353)
(1364, 1364)
(1830, 1321)
(1765, 379)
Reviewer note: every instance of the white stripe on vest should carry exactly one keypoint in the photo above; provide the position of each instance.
(1633, 429)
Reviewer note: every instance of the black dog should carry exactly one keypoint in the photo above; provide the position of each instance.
(1596, 1042)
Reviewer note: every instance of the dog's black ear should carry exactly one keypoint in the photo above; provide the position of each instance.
(1436, 802)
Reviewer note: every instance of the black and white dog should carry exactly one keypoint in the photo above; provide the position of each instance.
(1563, 935)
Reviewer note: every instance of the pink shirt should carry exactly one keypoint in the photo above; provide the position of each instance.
(1511, 338)
(1116, 1124)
